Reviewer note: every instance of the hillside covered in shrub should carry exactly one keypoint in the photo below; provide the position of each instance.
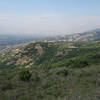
(50, 71)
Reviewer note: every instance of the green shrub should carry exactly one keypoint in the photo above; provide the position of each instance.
(36, 77)
(6, 86)
(63, 72)
(25, 75)
(77, 63)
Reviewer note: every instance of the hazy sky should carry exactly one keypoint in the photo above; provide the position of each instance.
(48, 16)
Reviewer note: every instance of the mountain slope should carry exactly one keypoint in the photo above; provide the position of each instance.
(87, 36)
(79, 37)
(53, 54)
(58, 71)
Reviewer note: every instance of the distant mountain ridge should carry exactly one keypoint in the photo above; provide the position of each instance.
(82, 37)
(10, 40)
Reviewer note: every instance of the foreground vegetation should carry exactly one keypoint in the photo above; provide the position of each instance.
(55, 83)
(51, 71)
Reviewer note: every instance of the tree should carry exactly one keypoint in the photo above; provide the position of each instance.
(25, 75)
